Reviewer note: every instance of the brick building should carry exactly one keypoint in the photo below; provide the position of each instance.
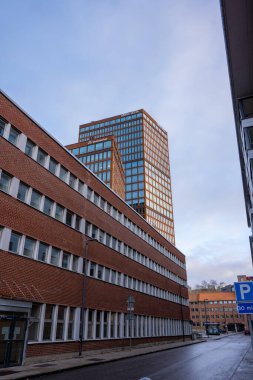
(215, 307)
(72, 252)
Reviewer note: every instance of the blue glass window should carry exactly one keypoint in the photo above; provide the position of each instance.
(75, 151)
(83, 149)
(91, 148)
(107, 144)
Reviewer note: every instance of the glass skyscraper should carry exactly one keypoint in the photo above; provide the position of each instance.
(143, 146)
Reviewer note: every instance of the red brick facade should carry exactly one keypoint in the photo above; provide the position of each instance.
(152, 271)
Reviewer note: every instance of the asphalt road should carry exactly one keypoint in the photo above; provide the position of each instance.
(212, 360)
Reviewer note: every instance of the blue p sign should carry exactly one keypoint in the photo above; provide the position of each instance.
(244, 291)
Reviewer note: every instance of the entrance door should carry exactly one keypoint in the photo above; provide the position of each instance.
(12, 338)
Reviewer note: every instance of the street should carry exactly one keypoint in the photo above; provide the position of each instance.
(214, 359)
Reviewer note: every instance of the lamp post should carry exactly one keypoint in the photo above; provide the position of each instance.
(226, 327)
(206, 316)
(84, 293)
(182, 313)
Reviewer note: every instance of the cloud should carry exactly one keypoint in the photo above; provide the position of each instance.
(69, 62)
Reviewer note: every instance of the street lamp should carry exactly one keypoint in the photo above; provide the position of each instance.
(182, 313)
(226, 326)
(84, 293)
(206, 316)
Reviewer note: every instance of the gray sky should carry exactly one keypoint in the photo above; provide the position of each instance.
(67, 62)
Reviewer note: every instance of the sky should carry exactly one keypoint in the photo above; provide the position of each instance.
(68, 62)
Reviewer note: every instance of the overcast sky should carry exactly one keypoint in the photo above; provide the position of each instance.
(67, 62)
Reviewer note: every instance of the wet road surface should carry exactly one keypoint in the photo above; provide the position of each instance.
(211, 360)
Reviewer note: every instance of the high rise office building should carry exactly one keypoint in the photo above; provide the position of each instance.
(102, 157)
(143, 146)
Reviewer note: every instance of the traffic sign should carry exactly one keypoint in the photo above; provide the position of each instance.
(244, 291)
(245, 308)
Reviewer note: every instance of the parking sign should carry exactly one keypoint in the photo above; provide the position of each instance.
(244, 291)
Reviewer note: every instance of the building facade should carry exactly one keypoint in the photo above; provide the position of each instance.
(102, 157)
(237, 17)
(72, 252)
(143, 146)
(209, 308)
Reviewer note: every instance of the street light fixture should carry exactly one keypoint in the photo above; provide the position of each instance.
(84, 293)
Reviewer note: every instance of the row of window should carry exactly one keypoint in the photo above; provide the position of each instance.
(51, 208)
(95, 157)
(111, 122)
(155, 126)
(52, 323)
(116, 214)
(28, 247)
(122, 132)
(57, 169)
(101, 145)
(37, 200)
(14, 136)
(118, 278)
(110, 241)
(56, 322)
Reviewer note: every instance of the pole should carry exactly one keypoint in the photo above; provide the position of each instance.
(206, 317)
(226, 327)
(182, 312)
(84, 294)
(250, 328)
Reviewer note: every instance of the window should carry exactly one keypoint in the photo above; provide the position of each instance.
(29, 247)
(72, 181)
(29, 148)
(98, 324)
(75, 263)
(78, 222)
(52, 165)
(60, 323)
(14, 242)
(35, 199)
(13, 136)
(43, 252)
(48, 322)
(100, 272)
(55, 256)
(71, 323)
(48, 206)
(2, 125)
(69, 217)
(65, 260)
(22, 191)
(5, 182)
(63, 173)
(80, 186)
(92, 269)
(59, 211)
(94, 232)
(41, 157)
(89, 193)
(34, 326)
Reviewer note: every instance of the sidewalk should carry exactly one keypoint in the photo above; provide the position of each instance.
(88, 358)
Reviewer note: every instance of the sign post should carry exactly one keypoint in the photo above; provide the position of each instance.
(244, 300)
(130, 316)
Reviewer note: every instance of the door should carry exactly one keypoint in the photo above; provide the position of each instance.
(12, 338)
